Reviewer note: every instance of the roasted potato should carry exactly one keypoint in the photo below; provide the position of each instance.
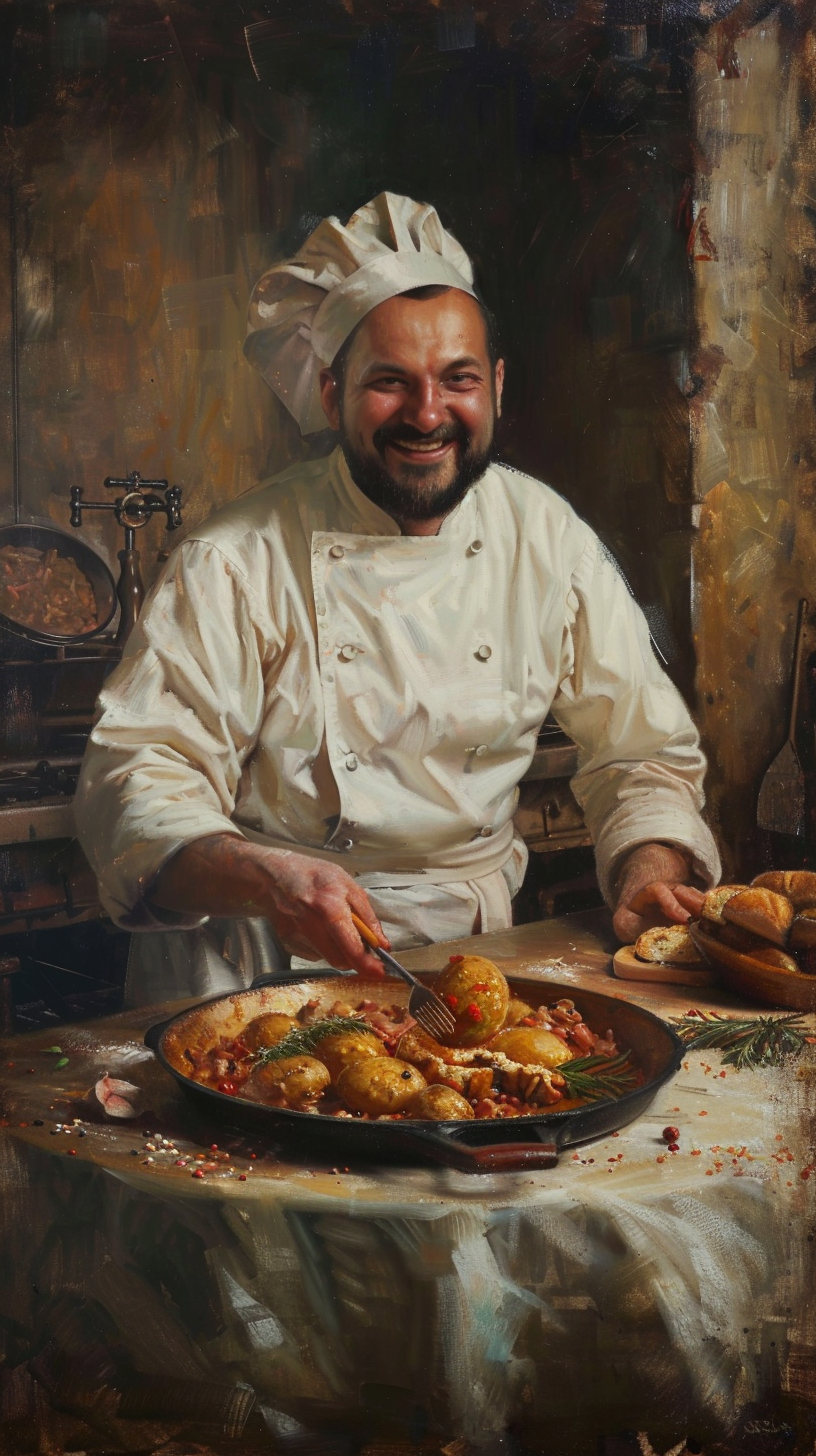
(266, 1030)
(531, 1046)
(289, 1082)
(439, 1104)
(340, 1049)
(516, 1012)
(379, 1084)
(477, 994)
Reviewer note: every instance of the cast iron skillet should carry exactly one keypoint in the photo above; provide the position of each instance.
(483, 1146)
(90, 563)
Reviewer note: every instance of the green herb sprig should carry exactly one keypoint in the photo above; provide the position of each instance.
(599, 1077)
(302, 1040)
(747, 1041)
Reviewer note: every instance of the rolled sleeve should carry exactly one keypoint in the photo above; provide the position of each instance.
(178, 718)
(640, 765)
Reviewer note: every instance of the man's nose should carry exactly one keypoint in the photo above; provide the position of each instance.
(424, 406)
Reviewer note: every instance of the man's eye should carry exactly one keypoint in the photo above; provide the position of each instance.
(386, 381)
(463, 379)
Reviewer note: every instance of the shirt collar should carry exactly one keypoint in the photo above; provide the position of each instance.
(370, 520)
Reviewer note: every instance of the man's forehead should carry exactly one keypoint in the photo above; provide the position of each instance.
(450, 319)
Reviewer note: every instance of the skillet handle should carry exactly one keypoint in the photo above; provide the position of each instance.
(510, 1157)
(438, 1147)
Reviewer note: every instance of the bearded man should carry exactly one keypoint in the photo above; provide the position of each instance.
(337, 684)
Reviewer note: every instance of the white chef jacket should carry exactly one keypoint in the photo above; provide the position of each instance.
(304, 675)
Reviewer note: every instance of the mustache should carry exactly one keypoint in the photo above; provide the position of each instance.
(407, 434)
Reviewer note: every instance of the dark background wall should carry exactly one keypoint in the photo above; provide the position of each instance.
(155, 162)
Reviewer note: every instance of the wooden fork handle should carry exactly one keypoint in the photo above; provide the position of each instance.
(366, 933)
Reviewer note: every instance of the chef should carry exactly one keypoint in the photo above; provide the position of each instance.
(336, 685)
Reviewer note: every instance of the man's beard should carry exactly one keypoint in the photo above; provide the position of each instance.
(415, 497)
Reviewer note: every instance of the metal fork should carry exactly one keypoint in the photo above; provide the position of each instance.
(424, 1005)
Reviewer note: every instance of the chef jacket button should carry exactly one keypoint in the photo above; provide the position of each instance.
(348, 652)
(321, 610)
(351, 761)
(487, 832)
(481, 750)
(337, 552)
(484, 652)
(475, 547)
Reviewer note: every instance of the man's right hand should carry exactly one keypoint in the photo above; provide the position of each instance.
(307, 901)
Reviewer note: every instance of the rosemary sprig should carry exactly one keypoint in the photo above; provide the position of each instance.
(598, 1077)
(304, 1039)
(747, 1041)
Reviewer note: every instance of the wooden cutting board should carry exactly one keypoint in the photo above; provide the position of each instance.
(628, 967)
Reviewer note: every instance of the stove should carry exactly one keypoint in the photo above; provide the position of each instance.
(47, 703)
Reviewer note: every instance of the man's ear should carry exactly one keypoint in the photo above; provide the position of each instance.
(330, 398)
(499, 384)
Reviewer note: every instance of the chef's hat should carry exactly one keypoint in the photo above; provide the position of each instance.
(303, 309)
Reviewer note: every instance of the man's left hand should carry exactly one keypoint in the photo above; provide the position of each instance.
(654, 889)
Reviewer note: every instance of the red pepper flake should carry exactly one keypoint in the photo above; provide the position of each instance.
(72, 1152)
(702, 1114)
(531, 1021)
(723, 1074)
(674, 1147)
(777, 1138)
(611, 1160)
(660, 1158)
(242, 1177)
(452, 1000)
(455, 960)
(253, 1156)
(198, 1173)
(709, 1172)
(480, 986)
(213, 1147)
(474, 1012)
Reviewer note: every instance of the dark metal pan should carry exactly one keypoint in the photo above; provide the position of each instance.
(480, 1146)
(90, 563)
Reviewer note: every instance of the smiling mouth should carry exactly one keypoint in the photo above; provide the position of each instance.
(429, 450)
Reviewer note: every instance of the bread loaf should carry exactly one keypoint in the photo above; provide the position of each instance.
(799, 886)
(776, 880)
(669, 945)
(803, 930)
(767, 914)
(716, 898)
(801, 889)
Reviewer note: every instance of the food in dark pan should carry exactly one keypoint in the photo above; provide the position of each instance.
(366, 1059)
(45, 591)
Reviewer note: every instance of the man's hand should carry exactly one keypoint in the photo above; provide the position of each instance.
(307, 901)
(653, 889)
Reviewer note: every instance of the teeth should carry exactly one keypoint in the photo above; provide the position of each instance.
(413, 446)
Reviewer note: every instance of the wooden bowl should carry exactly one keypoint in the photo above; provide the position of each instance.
(736, 969)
